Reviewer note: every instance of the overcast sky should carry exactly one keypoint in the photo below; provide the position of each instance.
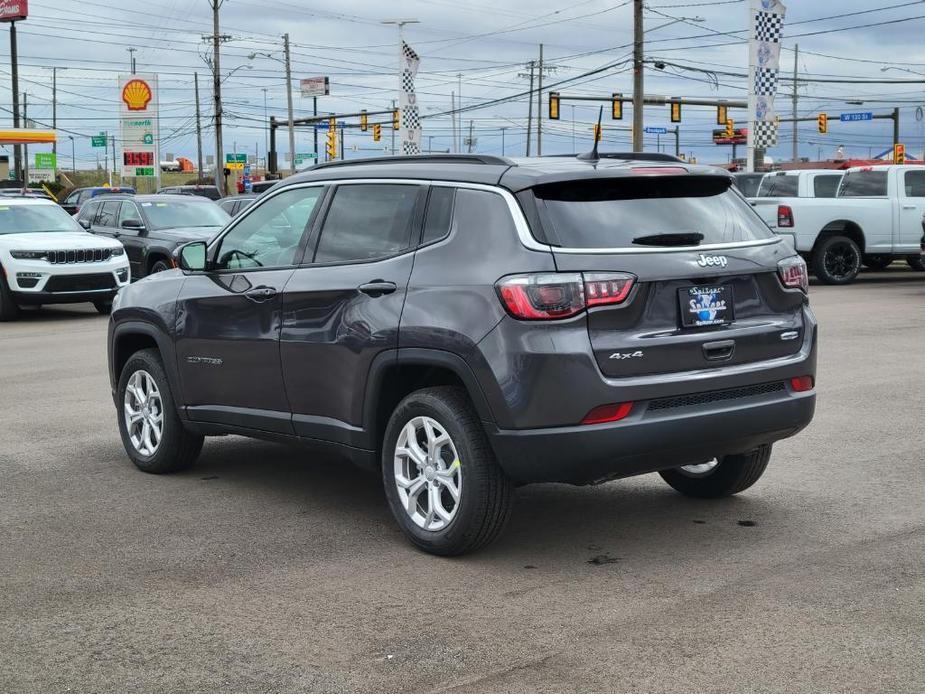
(488, 43)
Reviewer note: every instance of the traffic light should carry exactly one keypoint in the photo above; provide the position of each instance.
(675, 111)
(730, 127)
(899, 153)
(332, 139)
(823, 122)
(722, 115)
(598, 133)
(616, 106)
(553, 105)
(364, 120)
(377, 132)
(396, 119)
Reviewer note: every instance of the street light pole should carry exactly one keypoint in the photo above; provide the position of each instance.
(73, 155)
(14, 71)
(289, 105)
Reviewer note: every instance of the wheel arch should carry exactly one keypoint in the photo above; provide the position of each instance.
(396, 373)
(154, 254)
(841, 227)
(133, 336)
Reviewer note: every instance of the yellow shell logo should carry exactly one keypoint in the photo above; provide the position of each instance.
(136, 94)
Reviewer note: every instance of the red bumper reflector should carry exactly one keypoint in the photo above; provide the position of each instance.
(801, 384)
(608, 413)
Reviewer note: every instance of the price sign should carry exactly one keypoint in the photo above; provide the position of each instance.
(138, 158)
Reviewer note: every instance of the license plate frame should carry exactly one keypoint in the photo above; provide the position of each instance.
(706, 306)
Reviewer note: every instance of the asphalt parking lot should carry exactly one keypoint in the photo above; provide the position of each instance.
(265, 569)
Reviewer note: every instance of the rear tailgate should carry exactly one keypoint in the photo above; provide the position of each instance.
(693, 307)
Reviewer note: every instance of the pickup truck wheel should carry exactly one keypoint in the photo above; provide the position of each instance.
(151, 431)
(8, 308)
(720, 477)
(837, 260)
(441, 479)
(159, 266)
(877, 262)
(916, 262)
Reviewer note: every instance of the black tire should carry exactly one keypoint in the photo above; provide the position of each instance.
(8, 308)
(159, 266)
(178, 448)
(735, 473)
(836, 260)
(916, 262)
(484, 501)
(877, 262)
(103, 307)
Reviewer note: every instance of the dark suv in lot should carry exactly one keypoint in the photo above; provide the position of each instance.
(466, 324)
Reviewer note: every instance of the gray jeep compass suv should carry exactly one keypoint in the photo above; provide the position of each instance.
(467, 324)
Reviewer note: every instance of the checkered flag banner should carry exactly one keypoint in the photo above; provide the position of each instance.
(765, 135)
(407, 101)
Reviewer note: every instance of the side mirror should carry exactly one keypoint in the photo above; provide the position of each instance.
(85, 223)
(133, 224)
(192, 257)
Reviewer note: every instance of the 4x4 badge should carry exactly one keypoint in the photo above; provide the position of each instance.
(627, 355)
(712, 260)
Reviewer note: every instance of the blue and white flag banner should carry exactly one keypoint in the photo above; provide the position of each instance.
(767, 24)
(408, 101)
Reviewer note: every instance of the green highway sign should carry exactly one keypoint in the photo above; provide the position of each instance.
(302, 156)
(46, 160)
(98, 141)
(235, 158)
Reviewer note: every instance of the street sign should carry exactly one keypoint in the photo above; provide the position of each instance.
(41, 175)
(98, 140)
(852, 117)
(302, 156)
(238, 158)
(13, 10)
(46, 160)
(234, 165)
(315, 86)
(656, 131)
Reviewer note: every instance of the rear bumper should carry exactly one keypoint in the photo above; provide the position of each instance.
(648, 441)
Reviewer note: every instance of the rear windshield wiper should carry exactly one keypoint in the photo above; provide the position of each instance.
(680, 238)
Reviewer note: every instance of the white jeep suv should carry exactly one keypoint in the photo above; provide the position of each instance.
(47, 258)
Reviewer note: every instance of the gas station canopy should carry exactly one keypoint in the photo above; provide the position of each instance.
(25, 136)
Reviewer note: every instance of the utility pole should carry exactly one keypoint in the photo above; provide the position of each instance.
(459, 103)
(54, 112)
(470, 138)
(895, 126)
(638, 86)
(796, 144)
(217, 39)
(289, 105)
(539, 107)
(25, 159)
(314, 130)
(73, 154)
(453, 114)
(131, 64)
(573, 128)
(114, 161)
(503, 128)
(393, 130)
(198, 128)
(14, 70)
(530, 108)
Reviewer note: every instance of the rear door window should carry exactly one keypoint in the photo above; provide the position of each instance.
(637, 212)
(863, 184)
(826, 186)
(109, 212)
(367, 222)
(439, 214)
(915, 184)
(779, 187)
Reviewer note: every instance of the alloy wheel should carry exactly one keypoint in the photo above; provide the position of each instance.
(428, 475)
(842, 260)
(144, 413)
(700, 469)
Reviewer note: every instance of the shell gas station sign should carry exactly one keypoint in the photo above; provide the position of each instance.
(139, 125)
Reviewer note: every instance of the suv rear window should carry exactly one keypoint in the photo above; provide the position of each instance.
(863, 184)
(779, 187)
(611, 213)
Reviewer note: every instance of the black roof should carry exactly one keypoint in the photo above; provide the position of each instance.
(515, 174)
(157, 197)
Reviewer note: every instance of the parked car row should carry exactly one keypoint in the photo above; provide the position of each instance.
(873, 218)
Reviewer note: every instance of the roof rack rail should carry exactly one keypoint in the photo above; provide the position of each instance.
(630, 156)
(485, 159)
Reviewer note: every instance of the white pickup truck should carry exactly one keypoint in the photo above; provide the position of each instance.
(805, 183)
(875, 218)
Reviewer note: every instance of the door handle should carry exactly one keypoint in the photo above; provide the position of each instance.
(719, 351)
(378, 288)
(260, 294)
(908, 207)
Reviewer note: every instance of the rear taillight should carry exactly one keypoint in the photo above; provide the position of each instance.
(554, 295)
(802, 384)
(784, 216)
(608, 413)
(659, 170)
(793, 273)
